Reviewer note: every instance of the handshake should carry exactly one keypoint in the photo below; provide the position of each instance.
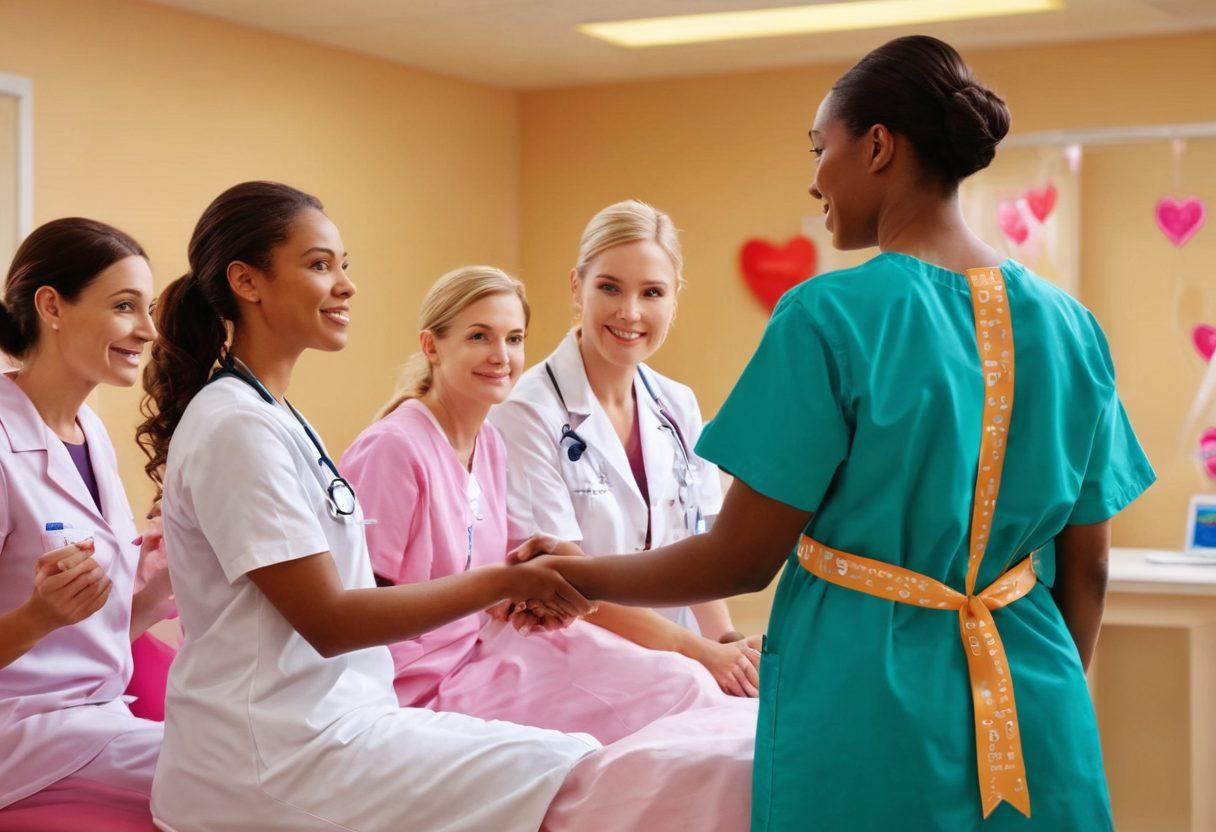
(538, 593)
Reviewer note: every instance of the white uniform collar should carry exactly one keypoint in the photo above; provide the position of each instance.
(567, 364)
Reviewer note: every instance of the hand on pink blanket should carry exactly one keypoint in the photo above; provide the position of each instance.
(734, 665)
(528, 621)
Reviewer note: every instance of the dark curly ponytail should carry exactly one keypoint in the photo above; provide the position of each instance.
(194, 313)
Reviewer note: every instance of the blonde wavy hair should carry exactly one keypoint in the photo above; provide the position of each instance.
(451, 295)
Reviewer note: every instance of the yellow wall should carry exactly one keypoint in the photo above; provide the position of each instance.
(728, 158)
(144, 114)
(9, 196)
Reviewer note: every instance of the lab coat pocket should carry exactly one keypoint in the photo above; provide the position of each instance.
(765, 759)
(57, 535)
(585, 479)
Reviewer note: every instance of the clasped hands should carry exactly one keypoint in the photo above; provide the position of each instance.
(541, 598)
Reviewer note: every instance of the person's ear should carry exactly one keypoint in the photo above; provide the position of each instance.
(426, 340)
(243, 280)
(576, 293)
(881, 146)
(48, 303)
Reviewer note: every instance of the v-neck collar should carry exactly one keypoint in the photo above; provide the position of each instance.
(443, 436)
(471, 484)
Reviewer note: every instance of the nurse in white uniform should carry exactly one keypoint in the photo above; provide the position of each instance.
(280, 712)
(75, 314)
(600, 445)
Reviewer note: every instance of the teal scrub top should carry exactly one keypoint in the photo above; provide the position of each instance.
(863, 404)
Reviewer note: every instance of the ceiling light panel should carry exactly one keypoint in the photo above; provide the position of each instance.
(803, 20)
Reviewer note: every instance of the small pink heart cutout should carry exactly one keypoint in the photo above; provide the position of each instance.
(1180, 220)
(1011, 223)
(1203, 337)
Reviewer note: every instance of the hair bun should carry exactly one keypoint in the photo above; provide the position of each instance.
(12, 341)
(976, 121)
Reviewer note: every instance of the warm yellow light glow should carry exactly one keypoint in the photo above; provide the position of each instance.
(801, 20)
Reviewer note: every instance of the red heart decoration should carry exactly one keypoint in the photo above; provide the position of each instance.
(770, 271)
(1204, 338)
(1012, 224)
(1179, 221)
(1041, 201)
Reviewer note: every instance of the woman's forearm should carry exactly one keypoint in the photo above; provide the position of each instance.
(19, 632)
(1080, 587)
(749, 541)
(751, 537)
(383, 615)
(714, 621)
(670, 576)
(146, 610)
(1081, 597)
(645, 627)
(309, 593)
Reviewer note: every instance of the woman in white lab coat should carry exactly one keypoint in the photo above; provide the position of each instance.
(74, 314)
(601, 446)
(280, 712)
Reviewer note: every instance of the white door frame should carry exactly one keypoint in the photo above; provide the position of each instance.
(23, 90)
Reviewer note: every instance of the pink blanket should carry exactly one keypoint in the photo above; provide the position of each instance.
(78, 804)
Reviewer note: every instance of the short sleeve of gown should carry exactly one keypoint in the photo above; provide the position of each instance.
(381, 465)
(783, 429)
(1117, 471)
(248, 496)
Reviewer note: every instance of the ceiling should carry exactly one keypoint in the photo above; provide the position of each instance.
(529, 44)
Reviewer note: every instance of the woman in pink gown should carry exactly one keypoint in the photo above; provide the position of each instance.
(432, 474)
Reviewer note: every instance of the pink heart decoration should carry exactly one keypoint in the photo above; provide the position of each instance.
(770, 270)
(1203, 337)
(1179, 220)
(1011, 222)
(1207, 451)
(1041, 201)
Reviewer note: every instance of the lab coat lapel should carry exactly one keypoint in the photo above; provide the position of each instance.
(27, 433)
(595, 427)
(658, 454)
(601, 436)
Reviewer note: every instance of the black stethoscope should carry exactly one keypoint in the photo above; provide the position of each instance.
(339, 496)
(694, 520)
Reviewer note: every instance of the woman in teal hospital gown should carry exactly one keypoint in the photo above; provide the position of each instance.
(858, 422)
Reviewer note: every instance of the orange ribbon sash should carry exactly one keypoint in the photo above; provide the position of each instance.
(998, 744)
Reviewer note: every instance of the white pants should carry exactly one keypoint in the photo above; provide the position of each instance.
(129, 760)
